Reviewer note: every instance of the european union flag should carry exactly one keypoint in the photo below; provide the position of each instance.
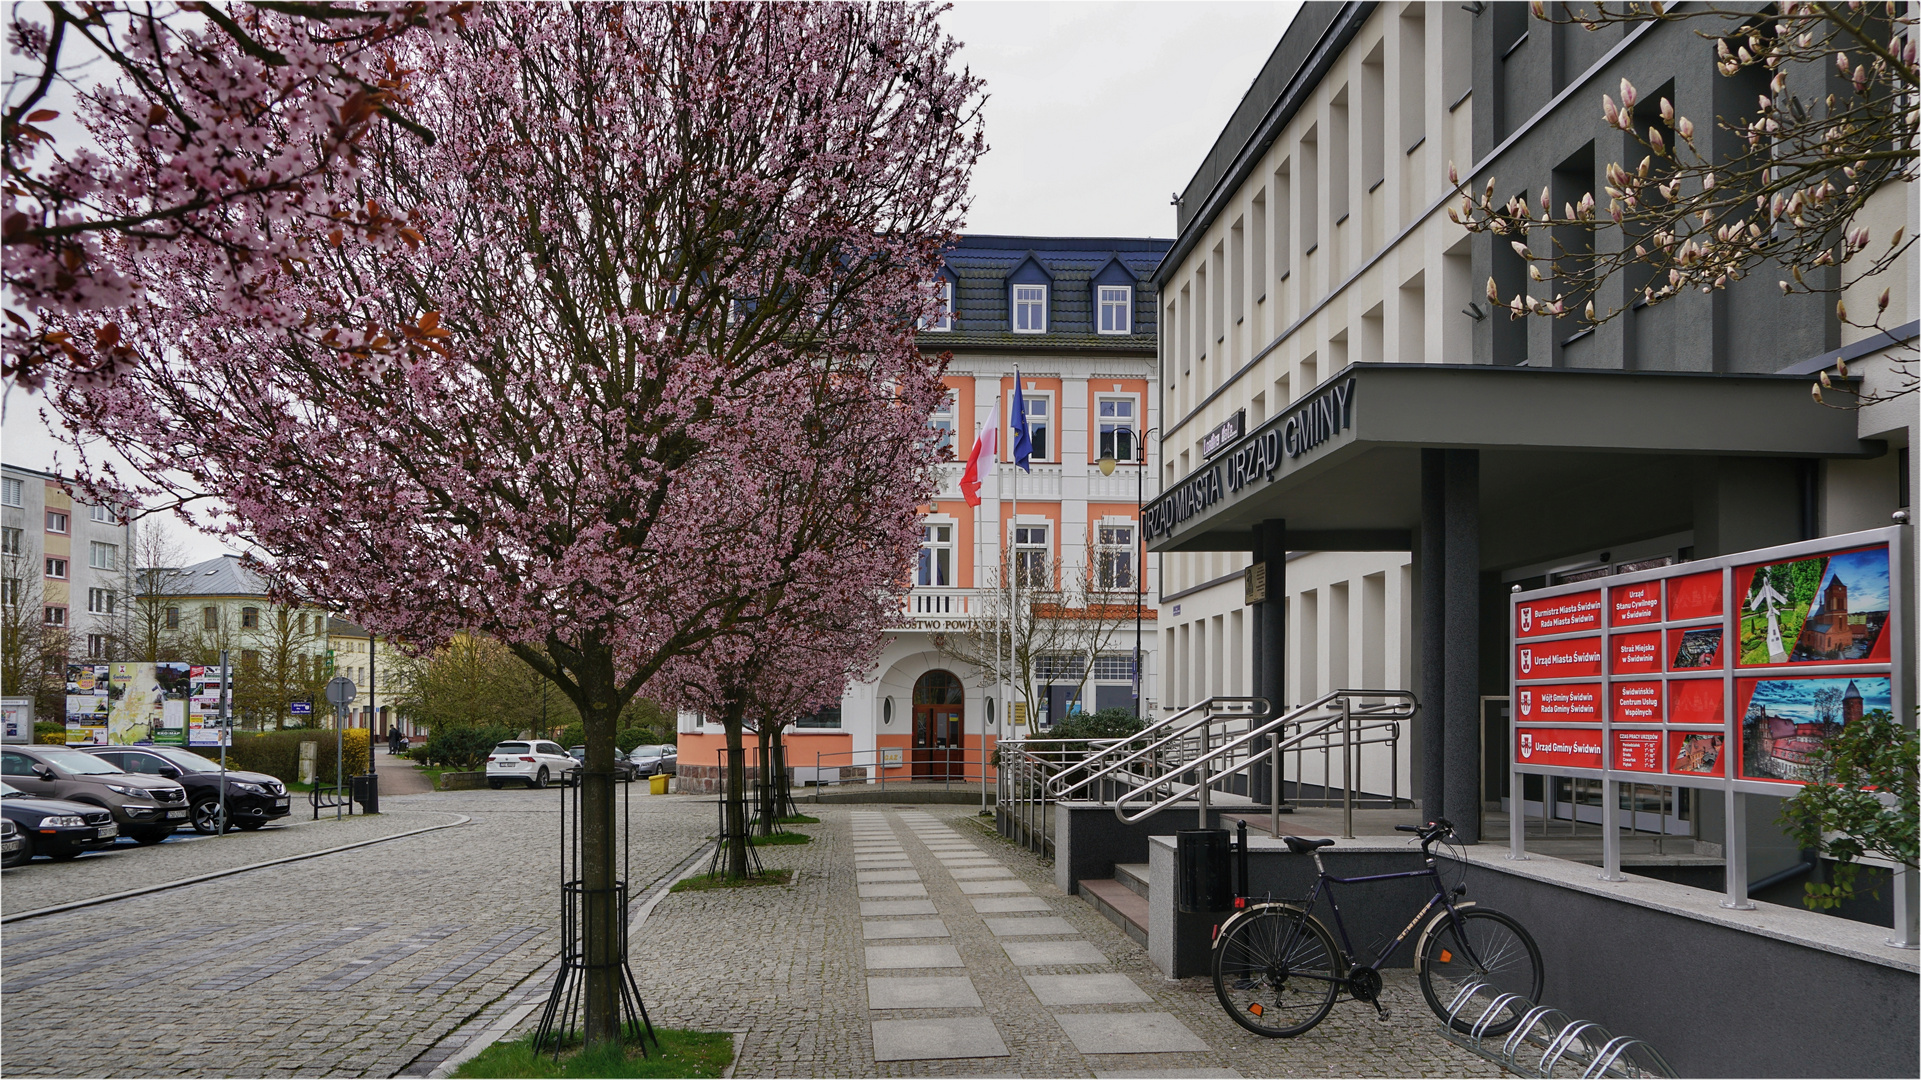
(1017, 420)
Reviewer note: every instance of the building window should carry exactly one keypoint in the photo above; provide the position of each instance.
(103, 556)
(209, 618)
(1114, 667)
(100, 601)
(56, 521)
(1058, 667)
(57, 568)
(10, 591)
(105, 515)
(303, 622)
(249, 658)
(943, 422)
(250, 618)
(936, 556)
(1039, 408)
(97, 646)
(1031, 561)
(56, 615)
(1116, 302)
(1030, 309)
(1115, 568)
(941, 323)
(826, 718)
(11, 492)
(173, 618)
(1116, 417)
(10, 541)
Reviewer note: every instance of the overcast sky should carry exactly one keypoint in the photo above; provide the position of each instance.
(1096, 114)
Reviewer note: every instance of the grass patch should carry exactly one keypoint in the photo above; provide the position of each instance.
(703, 883)
(781, 838)
(681, 1053)
(799, 819)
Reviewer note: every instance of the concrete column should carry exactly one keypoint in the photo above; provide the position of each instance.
(1462, 650)
(1270, 623)
(1433, 688)
(1257, 655)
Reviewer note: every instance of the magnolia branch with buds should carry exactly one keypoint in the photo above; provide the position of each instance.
(1785, 199)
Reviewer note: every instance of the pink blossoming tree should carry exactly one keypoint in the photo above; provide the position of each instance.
(550, 379)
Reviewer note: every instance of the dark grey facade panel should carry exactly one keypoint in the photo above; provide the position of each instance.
(983, 267)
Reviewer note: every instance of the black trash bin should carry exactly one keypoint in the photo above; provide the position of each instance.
(367, 793)
(1202, 871)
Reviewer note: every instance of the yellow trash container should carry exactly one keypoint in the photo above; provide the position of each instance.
(657, 784)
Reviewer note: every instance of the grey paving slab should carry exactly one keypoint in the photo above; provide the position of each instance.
(891, 888)
(1086, 989)
(925, 1040)
(889, 863)
(903, 928)
(922, 992)
(1030, 927)
(1052, 953)
(980, 873)
(872, 908)
(989, 904)
(1169, 1074)
(1129, 1033)
(977, 888)
(883, 957)
(870, 876)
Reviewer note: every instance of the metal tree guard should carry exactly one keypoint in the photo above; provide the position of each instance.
(561, 1020)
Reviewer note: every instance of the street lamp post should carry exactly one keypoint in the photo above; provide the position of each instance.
(1108, 463)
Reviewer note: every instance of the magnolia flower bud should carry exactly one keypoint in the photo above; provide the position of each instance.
(1667, 110)
(1609, 110)
(1521, 250)
(1493, 293)
(1628, 95)
(1453, 175)
(1882, 304)
(1685, 127)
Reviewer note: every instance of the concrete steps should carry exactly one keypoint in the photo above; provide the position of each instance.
(1119, 904)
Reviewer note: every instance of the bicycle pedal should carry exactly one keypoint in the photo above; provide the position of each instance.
(1383, 1014)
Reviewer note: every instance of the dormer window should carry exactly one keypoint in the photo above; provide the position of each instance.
(1030, 309)
(1116, 304)
(943, 322)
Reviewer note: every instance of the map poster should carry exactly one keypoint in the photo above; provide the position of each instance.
(1784, 722)
(1822, 609)
(148, 704)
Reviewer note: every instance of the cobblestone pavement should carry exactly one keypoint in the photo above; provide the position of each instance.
(361, 963)
(913, 942)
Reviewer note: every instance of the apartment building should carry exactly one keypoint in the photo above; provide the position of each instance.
(1342, 408)
(1077, 318)
(64, 564)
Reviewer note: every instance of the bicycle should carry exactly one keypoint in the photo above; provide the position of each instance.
(1278, 971)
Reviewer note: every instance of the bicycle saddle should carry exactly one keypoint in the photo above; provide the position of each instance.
(1301, 847)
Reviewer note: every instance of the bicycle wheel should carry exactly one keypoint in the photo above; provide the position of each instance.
(1277, 971)
(1499, 953)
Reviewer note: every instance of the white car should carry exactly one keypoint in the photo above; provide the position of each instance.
(534, 763)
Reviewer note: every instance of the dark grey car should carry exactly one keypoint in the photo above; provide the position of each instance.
(147, 808)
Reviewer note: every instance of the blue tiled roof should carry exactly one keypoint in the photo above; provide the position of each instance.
(981, 266)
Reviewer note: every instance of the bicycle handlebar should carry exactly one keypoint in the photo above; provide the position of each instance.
(1429, 832)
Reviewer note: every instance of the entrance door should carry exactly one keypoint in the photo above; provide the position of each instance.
(938, 725)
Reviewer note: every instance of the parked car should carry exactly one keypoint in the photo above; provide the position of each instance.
(57, 829)
(655, 760)
(624, 770)
(534, 763)
(147, 808)
(253, 798)
(11, 844)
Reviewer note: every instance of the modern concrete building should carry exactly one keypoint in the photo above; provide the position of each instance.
(1341, 407)
(67, 560)
(1077, 318)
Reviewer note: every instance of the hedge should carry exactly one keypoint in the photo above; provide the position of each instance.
(277, 753)
(463, 747)
(52, 732)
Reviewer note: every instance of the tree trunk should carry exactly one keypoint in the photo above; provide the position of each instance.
(783, 781)
(764, 790)
(600, 920)
(736, 838)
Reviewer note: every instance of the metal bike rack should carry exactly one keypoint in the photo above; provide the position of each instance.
(1544, 1041)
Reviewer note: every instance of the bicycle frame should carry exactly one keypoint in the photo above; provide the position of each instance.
(1440, 897)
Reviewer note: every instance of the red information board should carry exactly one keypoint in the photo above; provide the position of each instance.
(1735, 669)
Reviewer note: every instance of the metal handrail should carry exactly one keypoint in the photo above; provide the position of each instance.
(1204, 707)
(1378, 716)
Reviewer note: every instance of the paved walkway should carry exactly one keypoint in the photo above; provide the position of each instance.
(916, 943)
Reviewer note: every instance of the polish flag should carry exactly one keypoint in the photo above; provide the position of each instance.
(980, 462)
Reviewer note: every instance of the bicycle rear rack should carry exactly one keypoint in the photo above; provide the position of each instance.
(1545, 1042)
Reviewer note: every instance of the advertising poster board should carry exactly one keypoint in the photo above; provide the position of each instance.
(1726, 673)
(148, 704)
(88, 702)
(16, 719)
(203, 706)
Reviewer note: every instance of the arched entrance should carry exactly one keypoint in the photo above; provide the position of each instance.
(938, 713)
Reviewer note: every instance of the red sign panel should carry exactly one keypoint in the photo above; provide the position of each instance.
(1559, 659)
(1697, 753)
(1696, 596)
(1577, 703)
(1637, 751)
(1631, 605)
(1566, 747)
(1696, 701)
(1693, 650)
(1558, 615)
(1637, 701)
(1636, 654)
(1827, 608)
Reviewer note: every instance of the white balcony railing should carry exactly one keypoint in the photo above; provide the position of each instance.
(1051, 482)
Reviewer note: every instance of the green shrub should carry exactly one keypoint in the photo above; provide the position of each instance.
(49, 731)
(574, 734)
(463, 747)
(630, 737)
(1106, 724)
(277, 753)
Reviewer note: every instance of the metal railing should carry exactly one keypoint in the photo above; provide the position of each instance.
(1542, 1041)
(1022, 801)
(903, 767)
